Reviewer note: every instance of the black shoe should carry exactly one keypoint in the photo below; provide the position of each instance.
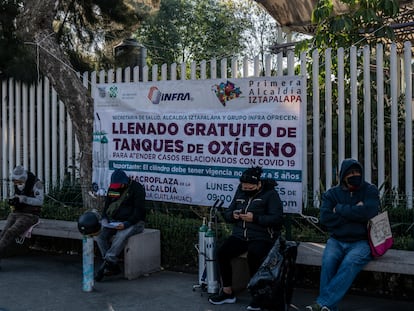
(101, 272)
(112, 269)
(221, 298)
(253, 305)
(317, 307)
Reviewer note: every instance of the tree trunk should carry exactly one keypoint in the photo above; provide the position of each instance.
(35, 27)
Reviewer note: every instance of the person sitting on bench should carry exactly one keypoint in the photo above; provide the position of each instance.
(256, 213)
(123, 216)
(25, 207)
(345, 211)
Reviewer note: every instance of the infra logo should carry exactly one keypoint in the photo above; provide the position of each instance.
(154, 95)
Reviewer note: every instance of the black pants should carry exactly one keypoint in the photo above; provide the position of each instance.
(234, 247)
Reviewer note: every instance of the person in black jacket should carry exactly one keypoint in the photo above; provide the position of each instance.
(123, 216)
(25, 206)
(345, 211)
(256, 213)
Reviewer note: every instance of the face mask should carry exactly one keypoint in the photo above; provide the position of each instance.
(354, 180)
(20, 187)
(250, 193)
(114, 194)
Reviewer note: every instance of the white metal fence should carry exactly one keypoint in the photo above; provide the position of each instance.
(359, 105)
(36, 132)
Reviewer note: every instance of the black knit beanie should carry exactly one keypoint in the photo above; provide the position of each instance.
(251, 175)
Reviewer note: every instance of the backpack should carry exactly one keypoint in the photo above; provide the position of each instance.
(272, 285)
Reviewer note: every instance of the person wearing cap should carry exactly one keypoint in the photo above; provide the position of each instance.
(256, 213)
(123, 216)
(345, 211)
(25, 206)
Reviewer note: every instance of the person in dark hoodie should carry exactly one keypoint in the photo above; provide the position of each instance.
(25, 206)
(345, 211)
(123, 216)
(256, 213)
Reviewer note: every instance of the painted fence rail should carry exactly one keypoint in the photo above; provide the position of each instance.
(359, 105)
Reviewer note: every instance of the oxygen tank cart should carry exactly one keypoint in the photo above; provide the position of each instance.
(207, 266)
(211, 266)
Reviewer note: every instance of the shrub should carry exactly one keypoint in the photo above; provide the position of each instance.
(179, 224)
(179, 237)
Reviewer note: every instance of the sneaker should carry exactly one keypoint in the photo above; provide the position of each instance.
(253, 306)
(314, 307)
(221, 298)
(317, 307)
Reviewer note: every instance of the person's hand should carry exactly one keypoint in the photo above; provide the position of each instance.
(120, 226)
(18, 199)
(236, 214)
(14, 201)
(248, 217)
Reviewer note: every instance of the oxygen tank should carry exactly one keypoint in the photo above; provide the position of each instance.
(105, 164)
(211, 268)
(96, 145)
(202, 253)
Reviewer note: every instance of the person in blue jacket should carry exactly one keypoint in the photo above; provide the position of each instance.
(345, 211)
(256, 213)
(123, 216)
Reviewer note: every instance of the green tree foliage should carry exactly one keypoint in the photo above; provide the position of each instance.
(88, 30)
(187, 30)
(366, 22)
(85, 30)
(12, 51)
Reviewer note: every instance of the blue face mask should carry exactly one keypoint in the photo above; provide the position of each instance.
(354, 180)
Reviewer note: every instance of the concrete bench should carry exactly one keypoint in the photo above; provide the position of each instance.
(394, 260)
(310, 254)
(142, 254)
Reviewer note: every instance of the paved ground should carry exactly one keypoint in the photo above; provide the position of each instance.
(54, 283)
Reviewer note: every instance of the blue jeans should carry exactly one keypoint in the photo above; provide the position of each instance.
(111, 242)
(341, 262)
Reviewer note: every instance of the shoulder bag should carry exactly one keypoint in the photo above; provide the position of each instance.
(379, 234)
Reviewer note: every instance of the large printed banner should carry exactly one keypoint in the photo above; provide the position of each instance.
(189, 141)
